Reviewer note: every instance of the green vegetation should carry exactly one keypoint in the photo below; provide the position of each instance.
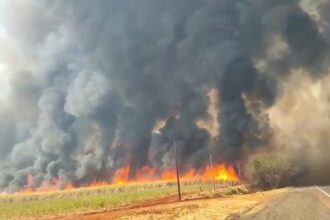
(86, 199)
(269, 171)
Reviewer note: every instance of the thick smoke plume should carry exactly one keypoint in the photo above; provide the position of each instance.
(91, 86)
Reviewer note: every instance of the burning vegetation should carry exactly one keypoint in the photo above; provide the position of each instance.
(146, 175)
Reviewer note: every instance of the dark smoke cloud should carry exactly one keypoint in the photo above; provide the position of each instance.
(99, 75)
(307, 46)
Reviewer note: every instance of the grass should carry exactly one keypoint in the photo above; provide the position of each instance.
(38, 205)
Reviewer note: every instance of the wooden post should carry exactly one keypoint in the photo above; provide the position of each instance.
(239, 172)
(177, 171)
(211, 163)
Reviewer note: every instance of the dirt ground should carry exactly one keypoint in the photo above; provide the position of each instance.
(192, 207)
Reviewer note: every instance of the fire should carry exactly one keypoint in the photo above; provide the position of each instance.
(168, 175)
(226, 173)
(98, 184)
(190, 175)
(121, 176)
(46, 186)
(220, 172)
(26, 191)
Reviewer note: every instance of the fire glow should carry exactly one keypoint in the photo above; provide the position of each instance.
(147, 174)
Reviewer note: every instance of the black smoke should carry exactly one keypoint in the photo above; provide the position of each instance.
(101, 74)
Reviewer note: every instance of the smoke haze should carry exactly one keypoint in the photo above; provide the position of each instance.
(88, 87)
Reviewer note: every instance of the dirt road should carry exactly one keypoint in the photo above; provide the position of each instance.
(302, 203)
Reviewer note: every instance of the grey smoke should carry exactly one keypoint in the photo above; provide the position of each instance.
(102, 73)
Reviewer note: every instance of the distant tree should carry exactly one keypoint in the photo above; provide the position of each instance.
(269, 171)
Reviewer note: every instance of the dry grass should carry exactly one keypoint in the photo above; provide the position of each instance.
(225, 207)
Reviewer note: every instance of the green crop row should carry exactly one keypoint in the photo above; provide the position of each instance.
(86, 199)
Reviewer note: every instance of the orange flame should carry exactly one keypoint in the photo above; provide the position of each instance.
(220, 172)
(121, 176)
(46, 186)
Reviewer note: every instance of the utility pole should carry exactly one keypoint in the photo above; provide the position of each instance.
(177, 171)
(211, 163)
(239, 172)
